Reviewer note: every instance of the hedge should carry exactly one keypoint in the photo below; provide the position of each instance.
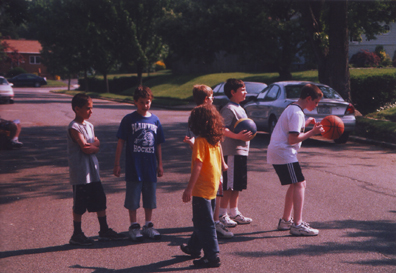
(116, 85)
(375, 129)
(370, 92)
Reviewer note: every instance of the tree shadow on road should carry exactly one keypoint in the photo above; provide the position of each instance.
(40, 167)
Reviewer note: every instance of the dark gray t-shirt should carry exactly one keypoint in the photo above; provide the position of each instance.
(231, 113)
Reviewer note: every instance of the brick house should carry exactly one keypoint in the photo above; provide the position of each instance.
(30, 57)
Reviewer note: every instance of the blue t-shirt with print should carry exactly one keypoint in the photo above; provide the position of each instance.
(142, 135)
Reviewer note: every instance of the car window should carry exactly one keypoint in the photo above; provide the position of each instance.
(263, 93)
(272, 94)
(254, 88)
(30, 77)
(3, 81)
(329, 93)
(293, 92)
(219, 89)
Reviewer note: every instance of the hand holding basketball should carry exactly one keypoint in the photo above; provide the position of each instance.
(246, 124)
(333, 127)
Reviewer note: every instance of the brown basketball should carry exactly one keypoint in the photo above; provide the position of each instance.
(333, 126)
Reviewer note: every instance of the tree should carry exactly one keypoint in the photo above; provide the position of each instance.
(265, 32)
(329, 25)
(13, 13)
(140, 43)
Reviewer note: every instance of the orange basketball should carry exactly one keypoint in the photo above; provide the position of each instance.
(333, 126)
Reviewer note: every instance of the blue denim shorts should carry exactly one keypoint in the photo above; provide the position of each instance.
(133, 191)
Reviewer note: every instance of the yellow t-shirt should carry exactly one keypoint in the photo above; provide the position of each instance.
(209, 177)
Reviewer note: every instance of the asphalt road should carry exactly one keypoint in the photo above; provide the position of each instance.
(350, 198)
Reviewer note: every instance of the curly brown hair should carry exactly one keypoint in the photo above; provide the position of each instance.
(205, 121)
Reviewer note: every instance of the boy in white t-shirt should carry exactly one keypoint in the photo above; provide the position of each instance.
(282, 154)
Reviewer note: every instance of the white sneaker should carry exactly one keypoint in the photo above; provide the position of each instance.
(303, 229)
(285, 225)
(241, 220)
(134, 233)
(222, 231)
(227, 222)
(149, 232)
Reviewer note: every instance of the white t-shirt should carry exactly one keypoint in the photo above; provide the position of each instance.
(292, 120)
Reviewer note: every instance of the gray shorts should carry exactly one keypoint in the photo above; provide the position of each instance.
(133, 191)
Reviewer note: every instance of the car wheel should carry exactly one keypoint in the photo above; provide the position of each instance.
(272, 124)
(37, 84)
(343, 138)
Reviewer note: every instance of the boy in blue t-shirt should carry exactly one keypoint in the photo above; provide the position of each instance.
(143, 134)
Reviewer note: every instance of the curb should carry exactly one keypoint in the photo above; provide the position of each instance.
(373, 142)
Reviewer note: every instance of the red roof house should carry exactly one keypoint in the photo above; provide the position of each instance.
(25, 54)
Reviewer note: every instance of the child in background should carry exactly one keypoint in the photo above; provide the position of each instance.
(206, 123)
(282, 154)
(203, 94)
(143, 134)
(236, 150)
(88, 193)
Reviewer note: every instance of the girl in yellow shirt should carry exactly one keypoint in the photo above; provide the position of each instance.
(206, 123)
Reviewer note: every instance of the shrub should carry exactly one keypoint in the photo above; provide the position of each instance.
(365, 58)
(370, 92)
(385, 58)
(376, 129)
(116, 85)
(160, 65)
(15, 72)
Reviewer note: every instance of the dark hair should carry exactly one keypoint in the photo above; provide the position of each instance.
(200, 92)
(232, 84)
(311, 90)
(205, 121)
(79, 100)
(143, 92)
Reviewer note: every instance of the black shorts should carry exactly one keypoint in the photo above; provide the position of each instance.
(289, 173)
(235, 178)
(89, 197)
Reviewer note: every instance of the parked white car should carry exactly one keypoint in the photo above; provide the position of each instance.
(267, 107)
(6, 91)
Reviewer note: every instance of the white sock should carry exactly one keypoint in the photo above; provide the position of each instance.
(234, 212)
(147, 222)
(134, 223)
(222, 211)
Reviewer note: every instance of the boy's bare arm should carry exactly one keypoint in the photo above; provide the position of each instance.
(117, 168)
(158, 153)
(86, 148)
(295, 138)
(187, 194)
(242, 135)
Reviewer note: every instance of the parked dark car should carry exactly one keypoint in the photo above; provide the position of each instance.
(267, 107)
(28, 80)
(252, 89)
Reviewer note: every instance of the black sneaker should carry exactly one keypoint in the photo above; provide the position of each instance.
(81, 240)
(206, 263)
(111, 235)
(187, 250)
